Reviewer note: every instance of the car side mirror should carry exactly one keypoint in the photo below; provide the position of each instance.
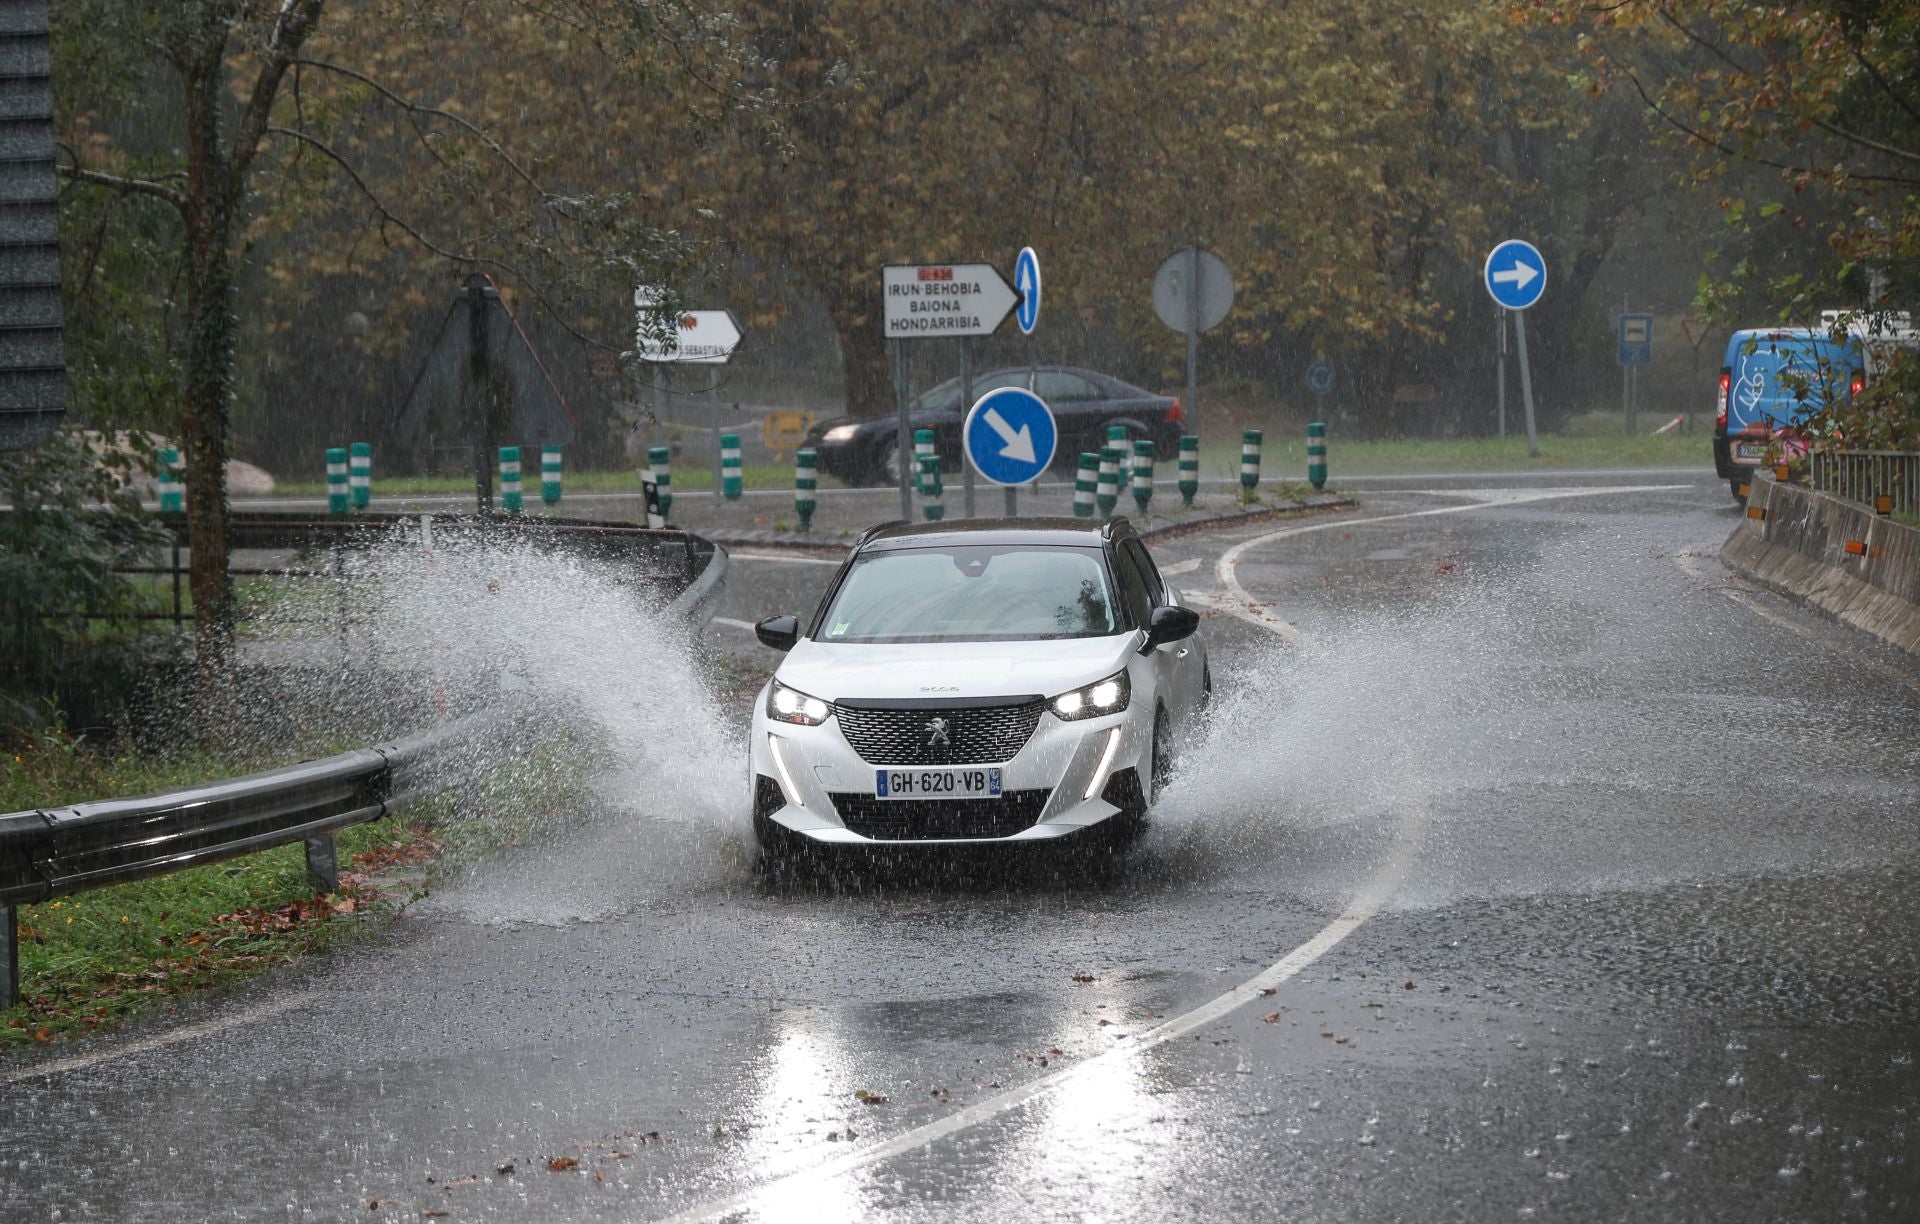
(1170, 624)
(783, 631)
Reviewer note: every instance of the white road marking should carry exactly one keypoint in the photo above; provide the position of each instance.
(787, 558)
(1235, 601)
(271, 1007)
(1181, 567)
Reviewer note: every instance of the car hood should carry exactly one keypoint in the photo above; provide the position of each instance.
(932, 670)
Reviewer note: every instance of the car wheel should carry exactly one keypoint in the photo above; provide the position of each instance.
(780, 847)
(884, 470)
(1162, 767)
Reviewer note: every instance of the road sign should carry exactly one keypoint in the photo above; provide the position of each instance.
(784, 429)
(925, 301)
(1026, 279)
(1636, 339)
(700, 337)
(1320, 378)
(1010, 436)
(1192, 289)
(1516, 274)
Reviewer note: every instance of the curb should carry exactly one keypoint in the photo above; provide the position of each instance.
(800, 542)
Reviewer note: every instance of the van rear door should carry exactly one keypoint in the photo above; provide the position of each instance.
(1778, 378)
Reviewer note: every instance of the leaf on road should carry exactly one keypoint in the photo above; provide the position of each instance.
(1267, 992)
(505, 1170)
(1271, 1018)
(560, 1164)
(1083, 978)
(870, 1098)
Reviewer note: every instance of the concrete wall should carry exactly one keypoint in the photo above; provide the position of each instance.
(1799, 550)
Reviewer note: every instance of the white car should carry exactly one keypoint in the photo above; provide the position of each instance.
(1013, 681)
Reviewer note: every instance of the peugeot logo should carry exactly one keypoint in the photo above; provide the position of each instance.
(937, 733)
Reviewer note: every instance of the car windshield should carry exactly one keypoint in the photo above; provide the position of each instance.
(972, 593)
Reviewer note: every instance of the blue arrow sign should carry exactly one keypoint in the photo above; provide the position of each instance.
(1010, 436)
(1026, 279)
(1320, 377)
(1516, 274)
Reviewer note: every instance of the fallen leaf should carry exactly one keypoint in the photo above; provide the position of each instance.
(870, 1098)
(1326, 1032)
(1407, 986)
(1271, 1018)
(1055, 1051)
(434, 1215)
(1083, 978)
(505, 1170)
(599, 1176)
(560, 1164)
(1105, 1023)
(623, 1155)
(1269, 991)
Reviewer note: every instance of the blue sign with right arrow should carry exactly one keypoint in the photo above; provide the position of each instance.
(1010, 436)
(1516, 274)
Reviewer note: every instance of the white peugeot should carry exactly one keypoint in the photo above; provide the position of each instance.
(1008, 681)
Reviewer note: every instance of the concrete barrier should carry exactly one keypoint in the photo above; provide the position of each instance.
(1834, 555)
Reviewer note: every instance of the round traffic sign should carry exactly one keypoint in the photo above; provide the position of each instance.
(1192, 289)
(1515, 274)
(1009, 436)
(1026, 279)
(1320, 378)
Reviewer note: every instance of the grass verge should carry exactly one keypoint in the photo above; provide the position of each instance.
(686, 476)
(1407, 456)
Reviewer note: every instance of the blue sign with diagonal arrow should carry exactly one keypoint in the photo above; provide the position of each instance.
(1516, 274)
(1010, 436)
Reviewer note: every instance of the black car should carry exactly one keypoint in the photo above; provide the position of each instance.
(1084, 404)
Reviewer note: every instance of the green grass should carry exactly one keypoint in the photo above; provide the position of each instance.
(1382, 458)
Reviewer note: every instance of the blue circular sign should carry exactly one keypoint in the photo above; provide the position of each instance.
(1320, 377)
(1026, 281)
(1009, 436)
(1516, 274)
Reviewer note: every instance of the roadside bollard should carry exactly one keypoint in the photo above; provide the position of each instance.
(1189, 468)
(360, 474)
(730, 466)
(1117, 437)
(551, 475)
(1142, 473)
(660, 460)
(1249, 459)
(931, 489)
(510, 499)
(1109, 488)
(173, 494)
(804, 482)
(1084, 483)
(922, 447)
(1317, 455)
(337, 498)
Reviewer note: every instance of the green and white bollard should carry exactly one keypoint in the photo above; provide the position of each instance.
(931, 489)
(1189, 468)
(173, 494)
(1084, 484)
(360, 474)
(338, 499)
(730, 466)
(660, 460)
(1108, 490)
(922, 447)
(1250, 459)
(552, 475)
(1317, 455)
(805, 480)
(1142, 473)
(510, 499)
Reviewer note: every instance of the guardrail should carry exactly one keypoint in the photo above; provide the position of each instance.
(1867, 476)
(53, 852)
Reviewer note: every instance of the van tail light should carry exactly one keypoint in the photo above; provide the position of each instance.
(1859, 382)
(1175, 413)
(1720, 408)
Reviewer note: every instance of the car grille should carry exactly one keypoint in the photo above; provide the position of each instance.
(909, 819)
(907, 735)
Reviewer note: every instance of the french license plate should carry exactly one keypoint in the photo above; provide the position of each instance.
(1749, 450)
(979, 783)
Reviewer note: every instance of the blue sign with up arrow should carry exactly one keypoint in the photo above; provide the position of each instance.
(1516, 274)
(1010, 436)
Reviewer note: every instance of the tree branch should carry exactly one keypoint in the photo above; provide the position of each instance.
(124, 185)
(290, 29)
(1885, 86)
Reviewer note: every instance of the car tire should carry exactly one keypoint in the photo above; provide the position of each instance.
(883, 468)
(1161, 767)
(780, 848)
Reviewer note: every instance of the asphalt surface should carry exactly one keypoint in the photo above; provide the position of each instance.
(1534, 869)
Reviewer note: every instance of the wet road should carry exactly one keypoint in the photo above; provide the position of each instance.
(1535, 869)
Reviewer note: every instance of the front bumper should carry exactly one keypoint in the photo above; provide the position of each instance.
(1067, 777)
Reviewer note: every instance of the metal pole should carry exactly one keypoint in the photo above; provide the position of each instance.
(480, 382)
(966, 402)
(904, 384)
(1500, 327)
(1193, 338)
(713, 416)
(9, 956)
(1526, 381)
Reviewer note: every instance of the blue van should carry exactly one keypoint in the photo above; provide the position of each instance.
(1773, 379)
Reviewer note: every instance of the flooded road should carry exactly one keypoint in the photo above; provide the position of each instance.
(1533, 869)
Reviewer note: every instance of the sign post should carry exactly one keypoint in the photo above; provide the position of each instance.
(1516, 276)
(1026, 281)
(699, 337)
(1635, 334)
(1192, 293)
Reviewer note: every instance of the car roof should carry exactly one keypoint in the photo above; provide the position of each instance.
(1061, 532)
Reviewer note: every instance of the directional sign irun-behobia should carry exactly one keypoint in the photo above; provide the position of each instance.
(1516, 274)
(1010, 436)
(929, 300)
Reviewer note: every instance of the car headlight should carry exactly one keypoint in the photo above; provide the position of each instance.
(840, 433)
(790, 705)
(1109, 696)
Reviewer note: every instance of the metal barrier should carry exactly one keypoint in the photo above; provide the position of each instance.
(1867, 477)
(52, 852)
